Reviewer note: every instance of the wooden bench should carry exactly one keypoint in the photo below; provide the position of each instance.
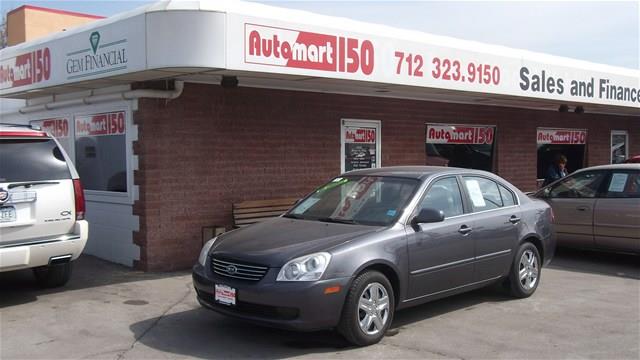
(249, 212)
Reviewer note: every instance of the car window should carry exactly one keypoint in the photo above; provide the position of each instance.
(581, 185)
(31, 160)
(444, 195)
(623, 184)
(508, 199)
(484, 193)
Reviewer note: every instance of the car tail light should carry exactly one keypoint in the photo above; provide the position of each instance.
(79, 195)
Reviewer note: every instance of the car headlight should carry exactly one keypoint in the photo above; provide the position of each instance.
(305, 268)
(205, 251)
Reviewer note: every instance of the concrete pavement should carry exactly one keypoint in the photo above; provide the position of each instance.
(587, 306)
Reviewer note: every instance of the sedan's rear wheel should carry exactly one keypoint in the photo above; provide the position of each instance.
(368, 310)
(525, 271)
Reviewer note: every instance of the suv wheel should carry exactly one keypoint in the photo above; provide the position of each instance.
(53, 275)
(524, 276)
(368, 310)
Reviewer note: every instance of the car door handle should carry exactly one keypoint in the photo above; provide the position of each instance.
(582, 208)
(514, 219)
(464, 230)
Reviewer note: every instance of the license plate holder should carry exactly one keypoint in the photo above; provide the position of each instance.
(225, 295)
(7, 214)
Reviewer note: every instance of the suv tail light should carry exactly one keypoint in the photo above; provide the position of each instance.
(79, 195)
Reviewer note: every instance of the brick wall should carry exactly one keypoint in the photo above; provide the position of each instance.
(213, 147)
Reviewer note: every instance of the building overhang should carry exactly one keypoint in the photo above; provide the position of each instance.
(266, 46)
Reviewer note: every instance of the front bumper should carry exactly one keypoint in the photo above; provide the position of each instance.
(299, 306)
(39, 252)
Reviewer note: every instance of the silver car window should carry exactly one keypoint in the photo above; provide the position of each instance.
(581, 185)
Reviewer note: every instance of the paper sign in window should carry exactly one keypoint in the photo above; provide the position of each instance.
(475, 193)
(617, 182)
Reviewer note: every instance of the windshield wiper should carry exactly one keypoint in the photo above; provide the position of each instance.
(28, 184)
(339, 221)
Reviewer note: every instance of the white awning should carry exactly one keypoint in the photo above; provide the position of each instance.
(274, 47)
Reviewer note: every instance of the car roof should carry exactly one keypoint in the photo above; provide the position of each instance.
(17, 130)
(415, 172)
(628, 166)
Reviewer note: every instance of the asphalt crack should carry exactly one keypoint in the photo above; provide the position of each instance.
(123, 353)
(420, 350)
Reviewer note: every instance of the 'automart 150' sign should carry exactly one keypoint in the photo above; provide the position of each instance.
(307, 50)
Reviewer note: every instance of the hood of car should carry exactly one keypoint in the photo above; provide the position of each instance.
(274, 242)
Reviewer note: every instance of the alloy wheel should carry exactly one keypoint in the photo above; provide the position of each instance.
(373, 309)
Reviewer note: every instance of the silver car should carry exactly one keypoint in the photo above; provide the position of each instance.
(371, 242)
(597, 207)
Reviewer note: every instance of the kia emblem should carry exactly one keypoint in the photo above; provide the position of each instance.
(231, 269)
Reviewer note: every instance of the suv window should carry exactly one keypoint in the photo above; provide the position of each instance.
(31, 160)
(444, 195)
(623, 184)
(484, 193)
(581, 185)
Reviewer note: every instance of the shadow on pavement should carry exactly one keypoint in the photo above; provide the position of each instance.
(20, 287)
(204, 334)
(600, 263)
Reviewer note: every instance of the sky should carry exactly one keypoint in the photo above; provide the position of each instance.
(605, 32)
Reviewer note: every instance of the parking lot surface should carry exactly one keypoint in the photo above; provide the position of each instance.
(587, 306)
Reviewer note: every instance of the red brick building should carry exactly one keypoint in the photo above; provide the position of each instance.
(166, 139)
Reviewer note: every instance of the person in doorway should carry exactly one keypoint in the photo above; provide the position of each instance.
(557, 170)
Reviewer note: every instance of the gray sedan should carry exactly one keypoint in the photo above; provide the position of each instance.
(597, 208)
(371, 242)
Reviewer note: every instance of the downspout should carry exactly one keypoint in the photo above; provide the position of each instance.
(94, 99)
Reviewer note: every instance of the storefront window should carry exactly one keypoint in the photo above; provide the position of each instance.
(462, 146)
(101, 151)
(61, 129)
(554, 144)
(619, 146)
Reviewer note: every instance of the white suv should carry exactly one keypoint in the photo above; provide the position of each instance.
(42, 206)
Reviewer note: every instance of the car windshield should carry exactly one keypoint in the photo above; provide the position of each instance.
(365, 200)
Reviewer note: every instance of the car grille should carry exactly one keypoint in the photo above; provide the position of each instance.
(238, 270)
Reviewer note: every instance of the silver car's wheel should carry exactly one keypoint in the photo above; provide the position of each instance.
(368, 309)
(528, 270)
(373, 309)
(524, 276)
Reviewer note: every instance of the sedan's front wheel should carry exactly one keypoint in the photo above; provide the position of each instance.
(525, 271)
(368, 310)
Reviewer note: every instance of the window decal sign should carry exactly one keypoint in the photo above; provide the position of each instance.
(104, 124)
(360, 148)
(58, 127)
(561, 136)
(460, 134)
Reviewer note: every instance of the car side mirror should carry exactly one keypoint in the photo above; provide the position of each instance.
(428, 215)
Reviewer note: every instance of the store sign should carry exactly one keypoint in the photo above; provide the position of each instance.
(561, 136)
(58, 128)
(263, 45)
(360, 144)
(100, 57)
(460, 134)
(26, 69)
(307, 50)
(104, 124)
(112, 49)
